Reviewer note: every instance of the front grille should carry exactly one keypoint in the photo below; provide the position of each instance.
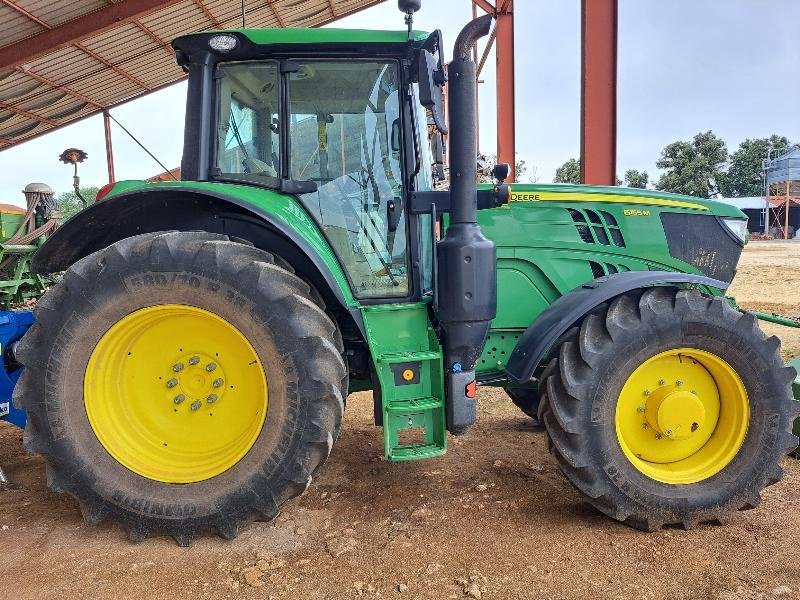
(597, 227)
(702, 241)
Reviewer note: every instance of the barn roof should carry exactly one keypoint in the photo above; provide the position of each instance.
(64, 60)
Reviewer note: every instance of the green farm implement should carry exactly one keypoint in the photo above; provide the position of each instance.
(189, 372)
(22, 232)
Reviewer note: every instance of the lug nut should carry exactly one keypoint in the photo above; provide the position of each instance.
(694, 392)
(177, 367)
(172, 383)
(218, 382)
(662, 382)
(641, 409)
(179, 398)
(658, 436)
(679, 383)
(647, 392)
(194, 360)
(211, 367)
(196, 404)
(645, 426)
(211, 398)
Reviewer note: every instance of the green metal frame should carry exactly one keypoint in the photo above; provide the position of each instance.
(17, 283)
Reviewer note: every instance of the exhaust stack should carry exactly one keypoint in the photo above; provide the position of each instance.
(467, 278)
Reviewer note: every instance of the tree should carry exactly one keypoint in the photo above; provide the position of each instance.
(636, 179)
(488, 162)
(689, 165)
(569, 172)
(744, 176)
(69, 203)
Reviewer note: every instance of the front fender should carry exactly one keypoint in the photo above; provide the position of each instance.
(239, 211)
(574, 305)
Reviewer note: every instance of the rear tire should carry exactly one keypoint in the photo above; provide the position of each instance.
(295, 341)
(579, 409)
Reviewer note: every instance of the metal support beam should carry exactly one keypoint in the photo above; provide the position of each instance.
(24, 113)
(599, 92)
(332, 6)
(214, 21)
(58, 86)
(25, 13)
(109, 148)
(149, 32)
(121, 72)
(786, 217)
(70, 32)
(485, 6)
(274, 10)
(506, 136)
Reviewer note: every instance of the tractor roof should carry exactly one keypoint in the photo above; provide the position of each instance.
(314, 36)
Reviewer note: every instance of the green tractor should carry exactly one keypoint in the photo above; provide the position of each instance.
(190, 372)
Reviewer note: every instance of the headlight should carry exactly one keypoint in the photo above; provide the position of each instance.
(223, 43)
(737, 228)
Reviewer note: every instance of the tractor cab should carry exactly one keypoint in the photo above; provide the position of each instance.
(338, 117)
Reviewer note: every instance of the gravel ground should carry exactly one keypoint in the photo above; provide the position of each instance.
(494, 518)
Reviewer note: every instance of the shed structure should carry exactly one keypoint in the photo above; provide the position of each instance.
(64, 60)
(782, 193)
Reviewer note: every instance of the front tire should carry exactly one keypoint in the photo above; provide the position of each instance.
(181, 384)
(670, 408)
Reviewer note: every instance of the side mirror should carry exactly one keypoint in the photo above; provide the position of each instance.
(501, 172)
(431, 81)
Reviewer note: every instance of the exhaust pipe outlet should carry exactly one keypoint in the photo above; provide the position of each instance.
(467, 278)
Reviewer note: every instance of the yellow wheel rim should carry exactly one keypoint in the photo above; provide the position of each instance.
(175, 393)
(682, 416)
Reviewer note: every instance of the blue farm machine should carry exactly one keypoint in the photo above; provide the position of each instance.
(21, 233)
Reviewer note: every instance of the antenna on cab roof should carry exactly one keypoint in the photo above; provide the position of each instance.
(409, 7)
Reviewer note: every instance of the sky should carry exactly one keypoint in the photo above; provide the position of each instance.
(684, 66)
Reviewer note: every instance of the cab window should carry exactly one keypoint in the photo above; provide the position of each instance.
(344, 134)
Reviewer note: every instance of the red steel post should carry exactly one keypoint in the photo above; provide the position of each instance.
(506, 141)
(599, 92)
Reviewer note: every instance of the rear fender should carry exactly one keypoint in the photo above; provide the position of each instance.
(288, 233)
(570, 308)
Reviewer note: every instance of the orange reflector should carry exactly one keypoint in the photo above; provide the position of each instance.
(471, 389)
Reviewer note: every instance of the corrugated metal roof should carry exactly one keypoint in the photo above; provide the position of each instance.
(63, 60)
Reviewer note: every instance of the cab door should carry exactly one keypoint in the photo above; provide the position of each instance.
(344, 134)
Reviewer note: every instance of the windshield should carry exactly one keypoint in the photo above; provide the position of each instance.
(247, 124)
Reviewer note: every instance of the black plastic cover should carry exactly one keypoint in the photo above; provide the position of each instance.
(461, 410)
(702, 241)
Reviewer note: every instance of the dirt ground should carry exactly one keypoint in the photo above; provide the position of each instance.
(492, 519)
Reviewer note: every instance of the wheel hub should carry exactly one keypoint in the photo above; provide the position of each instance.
(196, 376)
(675, 413)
